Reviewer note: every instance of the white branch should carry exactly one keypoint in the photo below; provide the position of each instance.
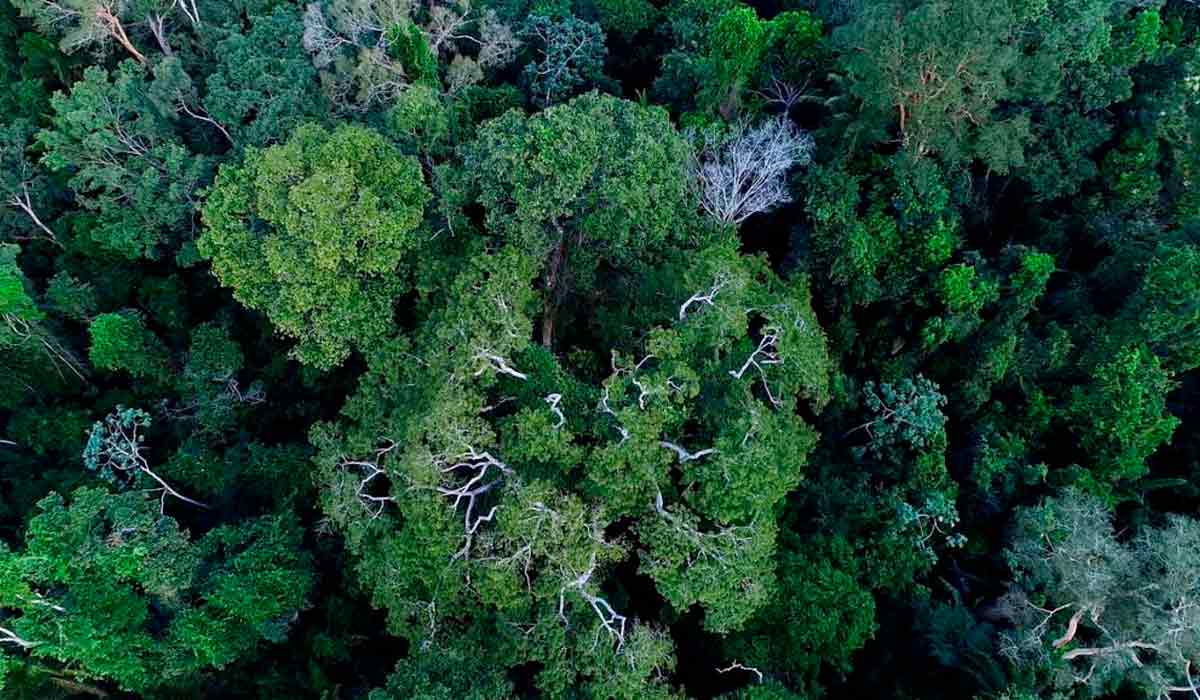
(767, 353)
(499, 364)
(553, 401)
(704, 297)
(684, 455)
(735, 666)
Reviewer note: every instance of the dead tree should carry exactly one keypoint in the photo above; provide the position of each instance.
(744, 173)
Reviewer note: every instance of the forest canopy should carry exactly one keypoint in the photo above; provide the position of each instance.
(600, 349)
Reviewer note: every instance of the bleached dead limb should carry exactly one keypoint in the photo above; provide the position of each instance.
(719, 546)
(735, 666)
(605, 408)
(553, 400)
(610, 619)
(254, 395)
(368, 472)
(7, 636)
(189, 10)
(477, 468)
(113, 24)
(200, 114)
(705, 298)
(59, 355)
(40, 601)
(23, 201)
(684, 455)
(497, 363)
(767, 353)
(122, 453)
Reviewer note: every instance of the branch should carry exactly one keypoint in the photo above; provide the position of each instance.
(553, 400)
(499, 364)
(704, 298)
(767, 353)
(684, 455)
(735, 666)
(7, 636)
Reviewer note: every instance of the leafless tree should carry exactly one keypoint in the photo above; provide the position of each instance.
(744, 172)
(784, 93)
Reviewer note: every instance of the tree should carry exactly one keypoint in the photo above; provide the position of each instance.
(1121, 416)
(24, 329)
(115, 450)
(81, 23)
(818, 617)
(107, 590)
(1164, 311)
(263, 85)
(24, 187)
(502, 517)
(320, 233)
(121, 341)
(570, 58)
(905, 414)
(597, 180)
(126, 164)
(370, 52)
(1096, 610)
(744, 172)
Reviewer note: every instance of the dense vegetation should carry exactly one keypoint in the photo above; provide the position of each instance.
(598, 349)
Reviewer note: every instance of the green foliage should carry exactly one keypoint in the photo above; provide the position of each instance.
(107, 587)
(15, 299)
(407, 44)
(819, 617)
(1121, 416)
(319, 233)
(125, 163)
(71, 297)
(904, 415)
(121, 342)
(264, 85)
(558, 427)
(627, 17)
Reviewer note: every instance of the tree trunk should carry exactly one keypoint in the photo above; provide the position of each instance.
(117, 30)
(558, 258)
